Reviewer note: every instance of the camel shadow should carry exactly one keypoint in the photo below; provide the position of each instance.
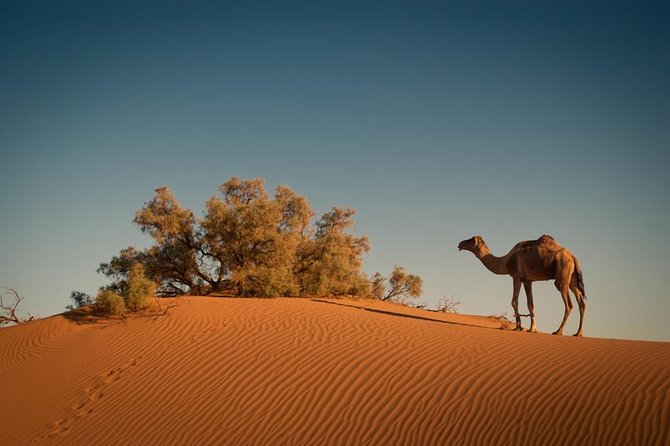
(405, 315)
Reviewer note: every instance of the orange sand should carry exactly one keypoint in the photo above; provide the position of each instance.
(313, 372)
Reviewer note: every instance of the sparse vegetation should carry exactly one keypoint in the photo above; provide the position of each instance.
(447, 304)
(251, 244)
(109, 303)
(502, 317)
(423, 305)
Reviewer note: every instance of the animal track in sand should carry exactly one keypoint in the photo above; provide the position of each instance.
(96, 391)
(93, 393)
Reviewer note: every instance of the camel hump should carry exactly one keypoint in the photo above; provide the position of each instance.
(548, 242)
(545, 241)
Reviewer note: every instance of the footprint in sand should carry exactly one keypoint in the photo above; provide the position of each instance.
(93, 393)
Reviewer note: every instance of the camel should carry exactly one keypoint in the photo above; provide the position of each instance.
(530, 261)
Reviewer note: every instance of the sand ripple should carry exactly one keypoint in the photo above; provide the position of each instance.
(295, 371)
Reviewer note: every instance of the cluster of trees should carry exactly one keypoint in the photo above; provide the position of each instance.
(249, 243)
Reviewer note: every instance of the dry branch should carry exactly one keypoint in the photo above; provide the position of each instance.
(8, 311)
(447, 304)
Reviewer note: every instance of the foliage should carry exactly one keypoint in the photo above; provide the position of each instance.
(330, 263)
(109, 303)
(139, 288)
(79, 299)
(252, 238)
(377, 286)
(398, 287)
(248, 243)
(173, 262)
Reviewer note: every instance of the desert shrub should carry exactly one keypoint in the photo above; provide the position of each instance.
(139, 288)
(399, 286)
(447, 304)
(79, 299)
(109, 303)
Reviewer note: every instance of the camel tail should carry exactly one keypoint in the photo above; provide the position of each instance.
(580, 278)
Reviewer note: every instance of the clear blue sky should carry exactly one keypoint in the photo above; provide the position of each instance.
(435, 120)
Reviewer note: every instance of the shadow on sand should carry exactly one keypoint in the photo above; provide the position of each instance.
(89, 316)
(405, 315)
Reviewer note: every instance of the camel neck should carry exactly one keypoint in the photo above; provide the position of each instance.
(497, 265)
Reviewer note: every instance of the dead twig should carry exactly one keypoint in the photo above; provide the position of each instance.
(162, 313)
(170, 306)
(447, 305)
(502, 318)
(8, 315)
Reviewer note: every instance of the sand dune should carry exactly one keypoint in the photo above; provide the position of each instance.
(313, 372)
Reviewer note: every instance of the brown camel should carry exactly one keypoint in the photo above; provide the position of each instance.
(532, 260)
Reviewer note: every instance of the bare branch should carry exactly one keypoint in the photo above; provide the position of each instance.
(447, 304)
(8, 311)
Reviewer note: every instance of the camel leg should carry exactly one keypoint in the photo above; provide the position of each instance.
(528, 288)
(515, 303)
(582, 308)
(568, 308)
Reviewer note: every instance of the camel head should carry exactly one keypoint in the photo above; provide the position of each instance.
(473, 244)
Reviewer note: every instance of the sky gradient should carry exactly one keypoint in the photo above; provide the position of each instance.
(435, 120)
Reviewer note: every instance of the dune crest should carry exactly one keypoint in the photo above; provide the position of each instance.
(299, 371)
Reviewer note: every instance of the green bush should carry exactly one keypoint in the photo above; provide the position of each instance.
(398, 287)
(109, 303)
(139, 288)
(79, 299)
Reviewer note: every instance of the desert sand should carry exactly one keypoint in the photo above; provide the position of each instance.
(323, 372)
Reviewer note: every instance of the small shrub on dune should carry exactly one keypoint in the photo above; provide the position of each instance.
(109, 303)
(398, 287)
(139, 288)
(79, 299)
